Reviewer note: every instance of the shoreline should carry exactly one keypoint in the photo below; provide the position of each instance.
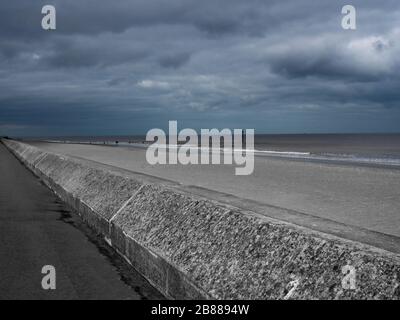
(346, 160)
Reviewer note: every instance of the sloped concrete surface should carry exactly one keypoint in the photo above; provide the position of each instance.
(192, 247)
(236, 256)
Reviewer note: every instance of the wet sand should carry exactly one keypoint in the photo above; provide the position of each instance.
(361, 196)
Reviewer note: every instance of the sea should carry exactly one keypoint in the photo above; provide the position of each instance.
(376, 149)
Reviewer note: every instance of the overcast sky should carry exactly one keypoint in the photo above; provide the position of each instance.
(126, 66)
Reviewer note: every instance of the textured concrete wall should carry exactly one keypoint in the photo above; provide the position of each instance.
(192, 247)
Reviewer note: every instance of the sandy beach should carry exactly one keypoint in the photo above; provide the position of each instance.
(360, 196)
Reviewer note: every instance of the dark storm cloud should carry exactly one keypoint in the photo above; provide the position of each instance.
(82, 53)
(271, 65)
(325, 63)
(175, 61)
(19, 19)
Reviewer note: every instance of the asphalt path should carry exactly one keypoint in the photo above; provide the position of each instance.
(37, 229)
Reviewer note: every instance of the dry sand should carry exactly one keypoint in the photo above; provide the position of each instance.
(358, 196)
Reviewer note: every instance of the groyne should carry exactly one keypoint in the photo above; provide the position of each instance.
(191, 247)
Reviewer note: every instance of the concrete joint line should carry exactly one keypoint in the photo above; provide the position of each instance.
(123, 207)
(43, 156)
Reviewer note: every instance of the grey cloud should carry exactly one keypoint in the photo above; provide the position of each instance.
(175, 61)
(229, 61)
(364, 59)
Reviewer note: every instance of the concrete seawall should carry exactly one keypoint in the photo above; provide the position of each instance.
(192, 247)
